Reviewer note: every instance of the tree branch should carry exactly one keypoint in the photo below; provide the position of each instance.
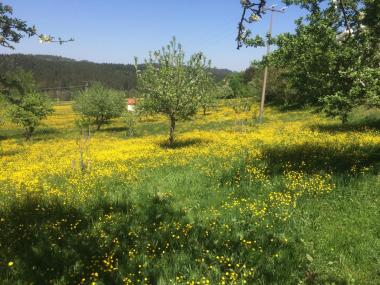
(256, 9)
(342, 7)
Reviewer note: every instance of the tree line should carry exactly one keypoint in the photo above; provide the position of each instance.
(55, 71)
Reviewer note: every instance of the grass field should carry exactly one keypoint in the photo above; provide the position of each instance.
(293, 201)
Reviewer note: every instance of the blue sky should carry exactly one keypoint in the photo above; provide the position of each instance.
(115, 31)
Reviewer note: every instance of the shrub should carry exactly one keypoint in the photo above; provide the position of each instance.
(30, 111)
(27, 107)
(99, 105)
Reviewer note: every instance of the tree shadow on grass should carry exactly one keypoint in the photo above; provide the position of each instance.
(370, 124)
(50, 242)
(46, 133)
(312, 157)
(140, 129)
(54, 243)
(112, 129)
(9, 153)
(38, 135)
(183, 143)
(9, 134)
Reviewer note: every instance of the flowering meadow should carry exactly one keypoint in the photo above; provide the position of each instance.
(291, 201)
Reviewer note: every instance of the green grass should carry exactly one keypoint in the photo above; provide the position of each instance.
(178, 225)
(342, 233)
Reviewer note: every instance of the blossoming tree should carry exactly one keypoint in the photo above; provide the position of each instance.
(172, 86)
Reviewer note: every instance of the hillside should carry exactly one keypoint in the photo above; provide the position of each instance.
(56, 71)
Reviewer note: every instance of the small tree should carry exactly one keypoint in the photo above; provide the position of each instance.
(130, 120)
(224, 91)
(99, 105)
(27, 107)
(238, 86)
(171, 86)
(30, 111)
(208, 94)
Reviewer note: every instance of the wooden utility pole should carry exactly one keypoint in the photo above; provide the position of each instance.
(272, 9)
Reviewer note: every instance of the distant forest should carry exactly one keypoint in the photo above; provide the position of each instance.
(54, 71)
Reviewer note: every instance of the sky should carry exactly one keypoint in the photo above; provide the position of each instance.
(115, 31)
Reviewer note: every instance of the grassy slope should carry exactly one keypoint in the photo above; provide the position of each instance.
(331, 238)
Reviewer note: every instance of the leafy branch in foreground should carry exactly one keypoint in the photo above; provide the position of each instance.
(253, 11)
(12, 29)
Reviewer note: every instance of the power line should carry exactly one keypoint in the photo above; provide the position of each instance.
(63, 87)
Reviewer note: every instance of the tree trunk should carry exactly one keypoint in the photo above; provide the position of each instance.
(204, 111)
(98, 123)
(344, 119)
(171, 134)
(28, 133)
